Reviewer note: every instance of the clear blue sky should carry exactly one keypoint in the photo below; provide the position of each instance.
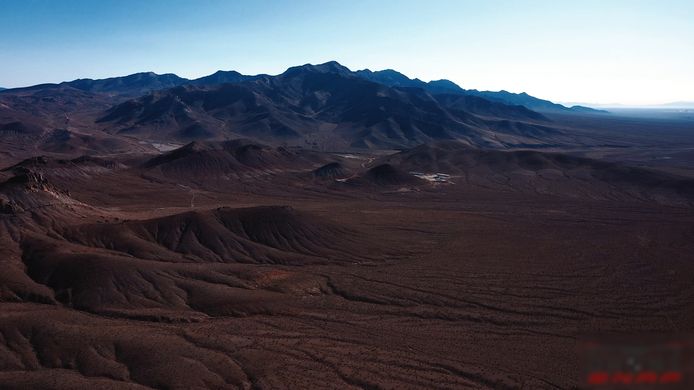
(607, 51)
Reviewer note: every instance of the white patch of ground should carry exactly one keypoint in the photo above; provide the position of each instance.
(162, 146)
(351, 156)
(434, 177)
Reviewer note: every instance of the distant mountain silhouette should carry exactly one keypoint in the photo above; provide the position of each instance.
(391, 78)
(325, 102)
(528, 101)
(137, 84)
(486, 107)
(132, 85)
(222, 77)
(395, 79)
(141, 83)
(325, 106)
(328, 67)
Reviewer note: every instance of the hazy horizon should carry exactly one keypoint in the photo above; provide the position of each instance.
(626, 52)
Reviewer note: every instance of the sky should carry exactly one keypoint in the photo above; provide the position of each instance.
(618, 51)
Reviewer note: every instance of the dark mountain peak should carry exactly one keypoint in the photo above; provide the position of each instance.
(222, 77)
(131, 85)
(220, 73)
(332, 66)
(152, 75)
(138, 75)
(444, 82)
(390, 73)
(391, 78)
(444, 86)
(131, 77)
(328, 67)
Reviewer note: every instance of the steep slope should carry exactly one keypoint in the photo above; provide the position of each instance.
(183, 267)
(28, 191)
(253, 235)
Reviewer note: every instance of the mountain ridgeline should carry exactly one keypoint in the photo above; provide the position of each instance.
(326, 105)
(140, 83)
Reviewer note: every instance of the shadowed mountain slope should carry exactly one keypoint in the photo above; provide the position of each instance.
(253, 235)
(200, 162)
(145, 82)
(333, 170)
(324, 105)
(396, 79)
(131, 85)
(387, 175)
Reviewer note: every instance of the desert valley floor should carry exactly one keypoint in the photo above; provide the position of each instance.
(287, 279)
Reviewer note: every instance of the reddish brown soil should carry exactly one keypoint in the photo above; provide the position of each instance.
(117, 276)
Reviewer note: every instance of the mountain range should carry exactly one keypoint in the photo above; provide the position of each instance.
(140, 83)
(325, 106)
(393, 78)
